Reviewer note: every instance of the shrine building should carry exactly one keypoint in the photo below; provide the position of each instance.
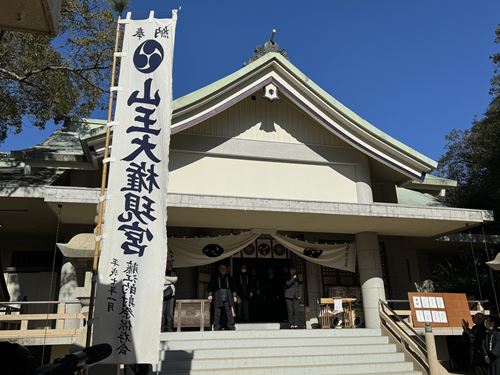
(266, 169)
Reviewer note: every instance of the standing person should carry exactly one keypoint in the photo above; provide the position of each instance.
(273, 294)
(222, 293)
(138, 369)
(491, 347)
(255, 296)
(476, 336)
(244, 293)
(169, 297)
(292, 297)
(284, 275)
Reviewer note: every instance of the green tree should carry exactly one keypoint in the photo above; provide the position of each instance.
(44, 78)
(458, 274)
(472, 156)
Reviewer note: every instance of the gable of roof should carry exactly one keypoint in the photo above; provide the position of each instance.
(192, 109)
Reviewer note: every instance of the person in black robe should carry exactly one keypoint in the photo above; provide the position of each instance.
(16, 359)
(255, 296)
(222, 293)
(273, 295)
(292, 297)
(491, 347)
(476, 336)
(244, 293)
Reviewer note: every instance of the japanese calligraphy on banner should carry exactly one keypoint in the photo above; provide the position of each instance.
(129, 292)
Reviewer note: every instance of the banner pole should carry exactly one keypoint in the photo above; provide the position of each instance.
(102, 201)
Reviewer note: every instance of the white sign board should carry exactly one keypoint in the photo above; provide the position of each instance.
(134, 243)
(417, 302)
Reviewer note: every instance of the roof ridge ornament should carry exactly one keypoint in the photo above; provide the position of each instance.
(269, 46)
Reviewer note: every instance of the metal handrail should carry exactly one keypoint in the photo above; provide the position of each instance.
(423, 352)
(415, 337)
(8, 303)
(7, 308)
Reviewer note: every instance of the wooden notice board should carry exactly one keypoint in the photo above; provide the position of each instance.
(439, 309)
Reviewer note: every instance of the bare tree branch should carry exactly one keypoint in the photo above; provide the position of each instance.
(23, 78)
(79, 74)
(66, 68)
(13, 75)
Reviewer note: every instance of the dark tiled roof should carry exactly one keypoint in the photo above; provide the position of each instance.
(26, 167)
(18, 177)
(65, 141)
(61, 142)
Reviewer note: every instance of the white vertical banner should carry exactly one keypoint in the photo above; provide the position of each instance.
(129, 293)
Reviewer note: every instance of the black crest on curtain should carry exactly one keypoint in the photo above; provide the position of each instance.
(312, 253)
(213, 250)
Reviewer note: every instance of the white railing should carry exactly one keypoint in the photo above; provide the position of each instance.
(420, 350)
(56, 327)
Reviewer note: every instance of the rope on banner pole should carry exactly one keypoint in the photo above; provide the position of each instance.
(107, 160)
(113, 123)
(151, 16)
(475, 266)
(97, 250)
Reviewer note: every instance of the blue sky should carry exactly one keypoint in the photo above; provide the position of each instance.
(415, 69)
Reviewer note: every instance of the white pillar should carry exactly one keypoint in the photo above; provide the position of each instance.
(314, 287)
(363, 182)
(370, 275)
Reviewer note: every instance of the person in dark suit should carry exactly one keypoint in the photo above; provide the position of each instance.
(292, 297)
(273, 296)
(169, 297)
(476, 336)
(491, 347)
(244, 294)
(222, 293)
(255, 296)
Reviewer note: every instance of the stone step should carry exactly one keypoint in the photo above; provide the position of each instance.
(265, 342)
(198, 335)
(256, 352)
(284, 360)
(396, 368)
(263, 349)
(261, 326)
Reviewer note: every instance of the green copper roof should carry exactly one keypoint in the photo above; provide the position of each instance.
(409, 197)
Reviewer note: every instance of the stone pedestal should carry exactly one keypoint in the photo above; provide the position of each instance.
(370, 275)
(75, 284)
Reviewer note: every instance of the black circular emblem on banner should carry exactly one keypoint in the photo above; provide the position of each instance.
(279, 249)
(148, 56)
(264, 249)
(213, 250)
(249, 250)
(312, 253)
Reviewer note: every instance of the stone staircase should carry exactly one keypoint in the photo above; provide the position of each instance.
(274, 351)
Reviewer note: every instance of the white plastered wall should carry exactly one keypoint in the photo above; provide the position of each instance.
(265, 179)
(266, 150)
